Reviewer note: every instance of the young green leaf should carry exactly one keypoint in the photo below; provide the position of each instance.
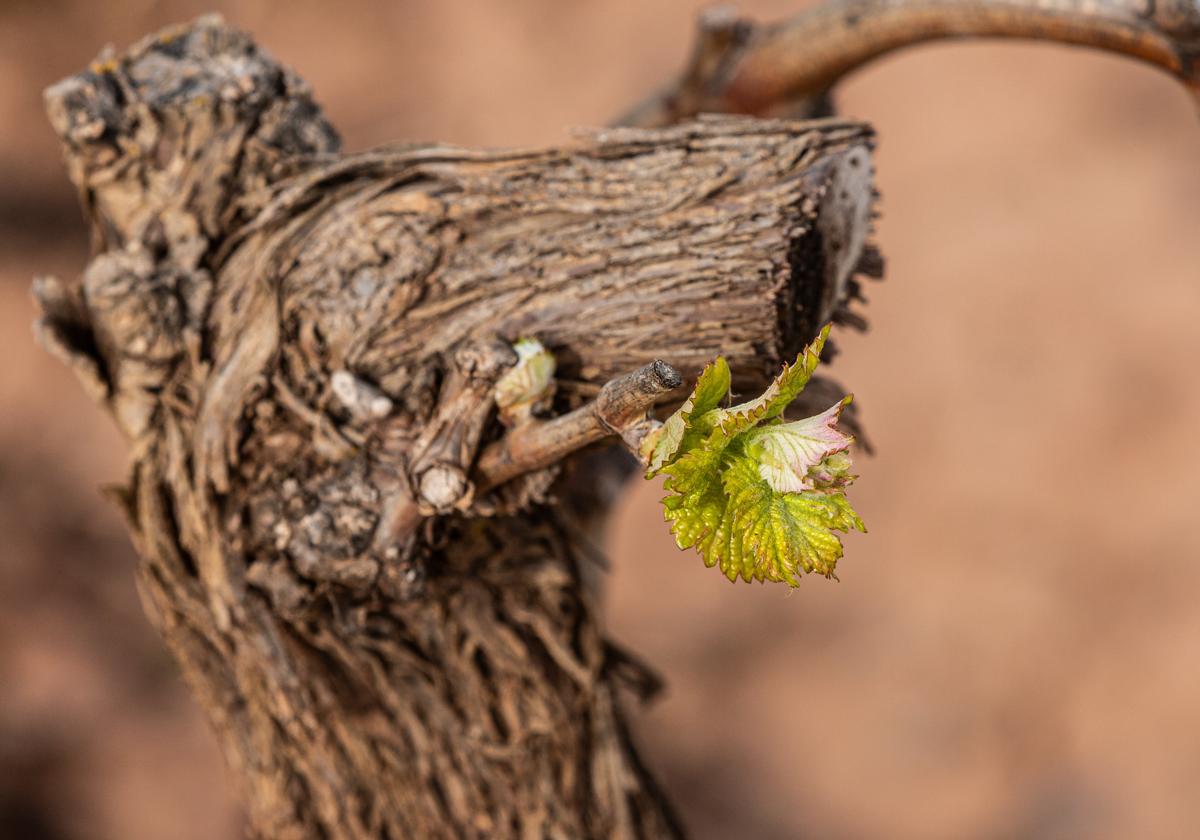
(779, 394)
(756, 496)
(711, 388)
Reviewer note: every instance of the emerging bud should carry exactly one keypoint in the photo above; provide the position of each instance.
(528, 385)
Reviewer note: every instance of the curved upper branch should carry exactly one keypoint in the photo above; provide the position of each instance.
(741, 67)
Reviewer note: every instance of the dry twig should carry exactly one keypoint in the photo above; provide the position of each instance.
(738, 66)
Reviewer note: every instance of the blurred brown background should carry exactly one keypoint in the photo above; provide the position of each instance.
(1014, 649)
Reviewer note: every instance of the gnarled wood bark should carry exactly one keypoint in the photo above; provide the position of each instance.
(292, 339)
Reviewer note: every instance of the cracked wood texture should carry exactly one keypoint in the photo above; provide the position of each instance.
(282, 332)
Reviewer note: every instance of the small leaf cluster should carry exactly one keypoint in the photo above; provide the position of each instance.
(758, 497)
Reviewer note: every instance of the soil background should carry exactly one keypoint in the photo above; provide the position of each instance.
(1014, 648)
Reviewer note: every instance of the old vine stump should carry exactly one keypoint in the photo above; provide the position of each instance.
(293, 339)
